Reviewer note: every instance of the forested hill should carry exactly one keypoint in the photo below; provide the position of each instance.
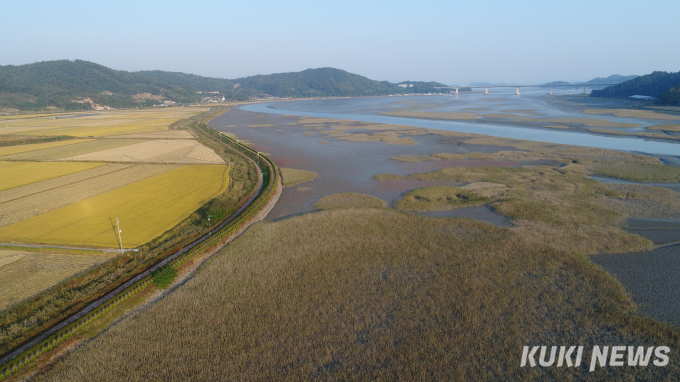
(613, 79)
(663, 85)
(63, 83)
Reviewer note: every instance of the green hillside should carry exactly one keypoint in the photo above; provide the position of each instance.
(663, 85)
(62, 83)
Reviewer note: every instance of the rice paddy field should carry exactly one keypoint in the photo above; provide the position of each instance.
(15, 174)
(158, 151)
(21, 203)
(26, 273)
(105, 123)
(146, 209)
(79, 147)
(11, 151)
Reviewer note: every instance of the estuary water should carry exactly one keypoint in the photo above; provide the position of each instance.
(367, 110)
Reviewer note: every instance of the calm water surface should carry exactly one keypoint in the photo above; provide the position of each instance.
(369, 109)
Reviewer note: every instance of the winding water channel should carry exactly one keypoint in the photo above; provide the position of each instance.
(636, 145)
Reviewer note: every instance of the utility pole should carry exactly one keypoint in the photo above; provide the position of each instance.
(120, 238)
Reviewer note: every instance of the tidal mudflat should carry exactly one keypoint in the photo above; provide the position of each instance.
(348, 166)
(346, 159)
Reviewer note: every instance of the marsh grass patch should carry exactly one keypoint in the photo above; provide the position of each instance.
(347, 200)
(439, 198)
(293, 176)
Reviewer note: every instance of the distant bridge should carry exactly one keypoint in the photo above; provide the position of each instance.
(549, 86)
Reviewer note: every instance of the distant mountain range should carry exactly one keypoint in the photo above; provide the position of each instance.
(613, 79)
(82, 84)
(662, 85)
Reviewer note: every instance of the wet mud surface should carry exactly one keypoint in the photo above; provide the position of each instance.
(653, 278)
(348, 166)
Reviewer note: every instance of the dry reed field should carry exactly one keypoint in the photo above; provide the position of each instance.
(11, 151)
(25, 274)
(31, 200)
(15, 174)
(105, 123)
(158, 151)
(146, 209)
(372, 294)
(81, 147)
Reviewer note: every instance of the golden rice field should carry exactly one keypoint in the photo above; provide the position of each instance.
(159, 151)
(145, 209)
(21, 203)
(25, 274)
(106, 123)
(15, 174)
(81, 147)
(11, 150)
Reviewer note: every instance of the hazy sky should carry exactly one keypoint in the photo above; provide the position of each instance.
(454, 42)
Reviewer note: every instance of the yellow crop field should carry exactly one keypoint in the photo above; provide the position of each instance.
(145, 209)
(158, 151)
(105, 123)
(9, 150)
(67, 152)
(15, 174)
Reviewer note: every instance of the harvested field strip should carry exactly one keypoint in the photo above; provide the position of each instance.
(25, 202)
(174, 151)
(169, 134)
(54, 183)
(32, 272)
(15, 174)
(10, 151)
(145, 209)
(106, 123)
(65, 152)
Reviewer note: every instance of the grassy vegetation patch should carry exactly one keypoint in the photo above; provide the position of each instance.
(640, 201)
(432, 114)
(594, 122)
(439, 198)
(629, 113)
(348, 200)
(557, 127)
(292, 176)
(608, 131)
(372, 294)
(641, 172)
(388, 177)
(675, 128)
(163, 277)
(659, 136)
